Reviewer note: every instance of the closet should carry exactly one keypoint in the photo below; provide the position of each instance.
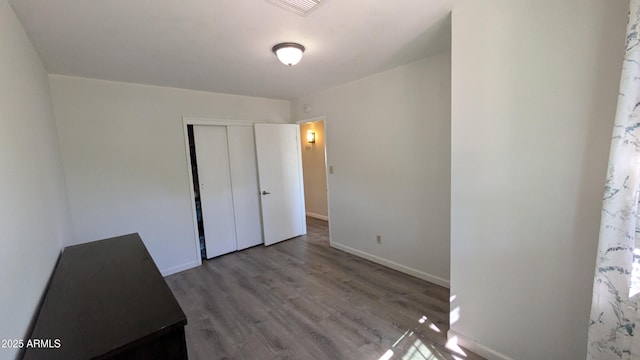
(227, 187)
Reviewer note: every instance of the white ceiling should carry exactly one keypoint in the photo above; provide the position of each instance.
(225, 45)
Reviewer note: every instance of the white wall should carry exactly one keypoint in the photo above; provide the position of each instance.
(314, 168)
(534, 88)
(388, 140)
(124, 158)
(34, 213)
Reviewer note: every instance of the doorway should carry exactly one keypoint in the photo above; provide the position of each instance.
(314, 167)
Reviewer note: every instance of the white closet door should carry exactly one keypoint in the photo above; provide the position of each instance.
(244, 182)
(215, 189)
(281, 181)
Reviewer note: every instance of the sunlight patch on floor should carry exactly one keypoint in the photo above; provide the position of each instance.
(420, 351)
(452, 344)
(410, 347)
(434, 328)
(387, 355)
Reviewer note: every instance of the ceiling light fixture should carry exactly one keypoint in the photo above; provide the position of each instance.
(288, 53)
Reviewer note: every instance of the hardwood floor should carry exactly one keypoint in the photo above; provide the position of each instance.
(301, 299)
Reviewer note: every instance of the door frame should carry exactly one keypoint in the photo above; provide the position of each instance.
(322, 118)
(186, 121)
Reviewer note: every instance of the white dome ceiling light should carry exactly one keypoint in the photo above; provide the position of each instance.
(288, 53)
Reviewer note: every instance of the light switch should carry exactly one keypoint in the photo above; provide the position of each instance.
(330, 169)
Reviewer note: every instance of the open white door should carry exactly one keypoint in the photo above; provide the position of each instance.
(280, 178)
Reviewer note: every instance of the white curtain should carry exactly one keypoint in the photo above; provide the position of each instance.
(615, 319)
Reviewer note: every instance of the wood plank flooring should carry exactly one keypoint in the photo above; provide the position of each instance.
(301, 299)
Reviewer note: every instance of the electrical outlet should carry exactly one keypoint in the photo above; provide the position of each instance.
(379, 239)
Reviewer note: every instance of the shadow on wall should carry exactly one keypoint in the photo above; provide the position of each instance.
(432, 41)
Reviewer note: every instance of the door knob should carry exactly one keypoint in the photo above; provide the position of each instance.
(265, 192)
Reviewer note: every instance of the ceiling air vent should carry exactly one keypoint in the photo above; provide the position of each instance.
(300, 7)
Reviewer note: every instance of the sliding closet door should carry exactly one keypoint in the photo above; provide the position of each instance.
(215, 189)
(244, 183)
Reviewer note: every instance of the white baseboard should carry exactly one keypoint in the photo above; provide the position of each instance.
(390, 264)
(476, 347)
(318, 216)
(177, 269)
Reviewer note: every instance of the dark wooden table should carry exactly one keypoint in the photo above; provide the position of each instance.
(107, 300)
